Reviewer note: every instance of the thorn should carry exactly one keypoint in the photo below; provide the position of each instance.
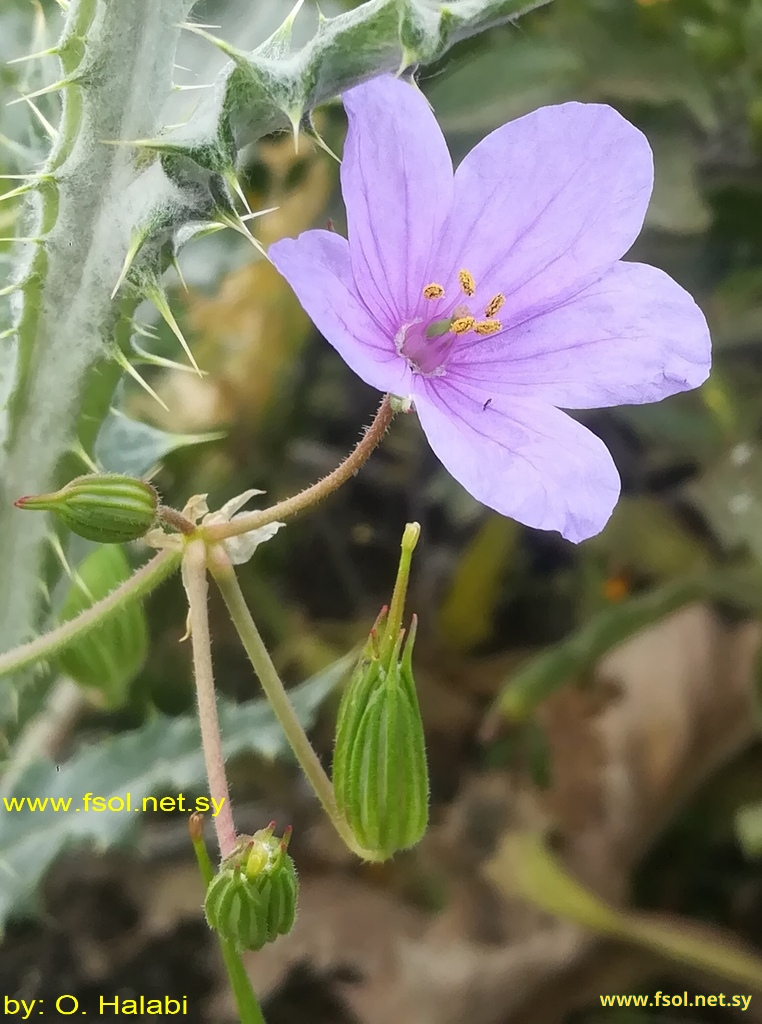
(23, 177)
(221, 44)
(21, 239)
(71, 572)
(309, 129)
(188, 88)
(52, 52)
(7, 334)
(31, 186)
(296, 123)
(182, 67)
(146, 331)
(282, 34)
(9, 289)
(132, 250)
(259, 213)
(150, 359)
(235, 186)
(63, 4)
(178, 271)
(124, 362)
(237, 224)
(64, 83)
(78, 450)
(158, 298)
(50, 131)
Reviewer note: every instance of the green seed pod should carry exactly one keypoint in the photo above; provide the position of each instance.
(104, 507)
(234, 908)
(380, 776)
(253, 898)
(271, 870)
(106, 659)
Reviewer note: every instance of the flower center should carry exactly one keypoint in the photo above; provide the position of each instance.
(426, 343)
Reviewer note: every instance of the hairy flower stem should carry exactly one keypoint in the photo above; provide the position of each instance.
(317, 492)
(197, 589)
(141, 583)
(224, 575)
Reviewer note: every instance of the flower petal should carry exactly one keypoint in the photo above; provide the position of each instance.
(396, 179)
(316, 265)
(521, 457)
(634, 336)
(544, 204)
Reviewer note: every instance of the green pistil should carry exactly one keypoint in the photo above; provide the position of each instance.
(438, 327)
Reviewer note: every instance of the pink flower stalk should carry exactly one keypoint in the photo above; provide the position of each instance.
(496, 296)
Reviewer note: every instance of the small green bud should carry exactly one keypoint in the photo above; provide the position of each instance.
(380, 776)
(104, 507)
(253, 898)
(233, 908)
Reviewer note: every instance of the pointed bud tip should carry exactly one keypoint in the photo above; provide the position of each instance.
(196, 826)
(410, 536)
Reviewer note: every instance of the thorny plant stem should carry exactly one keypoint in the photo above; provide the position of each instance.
(317, 492)
(197, 589)
(225, 578)
(142, 582)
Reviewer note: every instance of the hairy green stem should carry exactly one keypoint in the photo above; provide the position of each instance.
(140, 584)
(225, 578)
(197, 589)
(317, 492)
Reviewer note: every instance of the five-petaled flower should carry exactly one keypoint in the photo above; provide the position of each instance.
(496, 297)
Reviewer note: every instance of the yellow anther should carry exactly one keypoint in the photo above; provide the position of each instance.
(467, 282)
(494, 305)
(433, 291)
(487, 326)
(462, 325)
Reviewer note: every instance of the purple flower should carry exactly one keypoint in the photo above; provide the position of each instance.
(496, 296)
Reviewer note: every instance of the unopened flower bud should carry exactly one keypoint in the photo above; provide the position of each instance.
(253, 898)
(233, 908)
(380, 776)
(104, 507)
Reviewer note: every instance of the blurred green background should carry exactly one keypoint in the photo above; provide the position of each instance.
(602, 696)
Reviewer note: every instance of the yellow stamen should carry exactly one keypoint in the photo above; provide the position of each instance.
(487, 326)
(467, 282)
(462, 325)
(433, 291)
(494, 305)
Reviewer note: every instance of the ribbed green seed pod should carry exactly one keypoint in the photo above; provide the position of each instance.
(253, 898)
(234, 908)
(380, 776)
(104, 507)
